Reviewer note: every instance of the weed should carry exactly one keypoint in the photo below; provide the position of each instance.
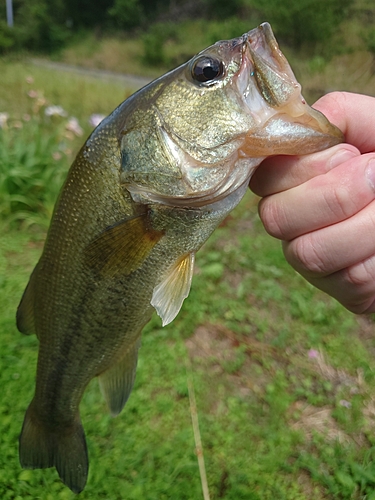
(35, 153)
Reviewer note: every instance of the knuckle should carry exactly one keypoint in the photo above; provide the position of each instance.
(357, 308)
(361, 276)
(369, 306)
(339, 202)
(307, 257)
(359, 282)
(360, 305)
(271, 214)
(358, 276)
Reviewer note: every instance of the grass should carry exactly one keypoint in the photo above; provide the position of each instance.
(80, 97)
(282, 375)
(122, 56)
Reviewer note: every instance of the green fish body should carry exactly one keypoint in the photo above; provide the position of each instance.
(145, 192)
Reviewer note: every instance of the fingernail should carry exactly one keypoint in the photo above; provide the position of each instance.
(341, 156)
(370, 173)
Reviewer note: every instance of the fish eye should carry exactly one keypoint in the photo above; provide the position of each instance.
(206, 69)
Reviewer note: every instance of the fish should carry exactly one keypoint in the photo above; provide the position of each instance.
(147, 189)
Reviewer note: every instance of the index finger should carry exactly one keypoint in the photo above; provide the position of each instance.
(354, 114)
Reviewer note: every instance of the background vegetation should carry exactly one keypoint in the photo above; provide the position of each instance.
(50, 25)
(283, 375)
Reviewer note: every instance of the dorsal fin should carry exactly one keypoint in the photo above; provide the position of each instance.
(169, 294)
(122, 248)
(117, 382)
(25, 311)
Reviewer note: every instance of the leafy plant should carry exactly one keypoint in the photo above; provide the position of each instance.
(41, 25)
(369, 38)
(126, 14)
(7, 38)
(304, 22)
(154, 42)
(338, 469)
(35, 153)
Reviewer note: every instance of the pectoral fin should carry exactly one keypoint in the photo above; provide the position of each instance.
(169, 294)
(122, 248)
(117, 382)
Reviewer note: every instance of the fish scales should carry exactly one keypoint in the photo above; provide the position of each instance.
(145, 192)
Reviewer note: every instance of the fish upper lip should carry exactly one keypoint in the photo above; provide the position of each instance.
(271, 92)
(262, 39)
(269, 66)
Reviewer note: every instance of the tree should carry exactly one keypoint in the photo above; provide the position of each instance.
(303, 21)
(41, 24)
(126, 13)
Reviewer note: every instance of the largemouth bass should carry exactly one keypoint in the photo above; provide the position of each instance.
(147, 189)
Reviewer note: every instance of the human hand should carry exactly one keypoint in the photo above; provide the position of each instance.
(323, 205)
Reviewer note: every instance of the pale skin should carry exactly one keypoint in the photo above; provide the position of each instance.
(322, 206)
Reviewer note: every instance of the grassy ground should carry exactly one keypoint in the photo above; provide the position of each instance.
(79, 96)
(283, 376)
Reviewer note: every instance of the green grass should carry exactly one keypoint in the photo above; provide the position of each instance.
(283, 375)
(79, 96)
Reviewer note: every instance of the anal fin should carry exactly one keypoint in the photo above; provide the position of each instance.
(117, 382)
(169, 294)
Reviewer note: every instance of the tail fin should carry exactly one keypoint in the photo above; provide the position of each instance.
(65, 448)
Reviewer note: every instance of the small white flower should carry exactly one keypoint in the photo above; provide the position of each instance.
(74, 126)
(3, 119)
(55, 111)
(29, 79)
(95, 119)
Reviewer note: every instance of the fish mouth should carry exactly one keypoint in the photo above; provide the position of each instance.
(286, 124)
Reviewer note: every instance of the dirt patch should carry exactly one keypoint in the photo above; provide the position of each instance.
(216, 349)
(310, 488)
(369, 420)
(228, 361)
(312, 419)
(207, 342)
(365, 332)
(338, 378)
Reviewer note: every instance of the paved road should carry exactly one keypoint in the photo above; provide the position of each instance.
(133, 81)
